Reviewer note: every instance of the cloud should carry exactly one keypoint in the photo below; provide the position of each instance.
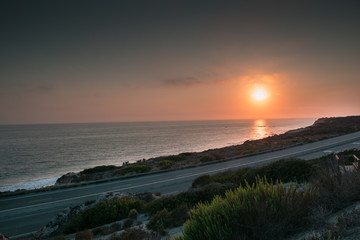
(201, 79)
(184, 82)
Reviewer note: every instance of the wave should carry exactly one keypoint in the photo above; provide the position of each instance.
(30, 185)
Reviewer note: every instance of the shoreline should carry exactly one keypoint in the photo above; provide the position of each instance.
(322, 128)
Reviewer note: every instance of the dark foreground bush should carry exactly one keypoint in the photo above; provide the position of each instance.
(338, 187)
(259, 211)
(164, 219)
(103, 213)
(285, 170)
(190, 198)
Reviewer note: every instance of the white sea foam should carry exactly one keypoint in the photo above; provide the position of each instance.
(30, 185)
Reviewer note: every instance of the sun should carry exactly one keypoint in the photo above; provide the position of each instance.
(259, 95)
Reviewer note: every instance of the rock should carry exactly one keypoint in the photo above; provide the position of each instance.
(68, 178)
(2, 237)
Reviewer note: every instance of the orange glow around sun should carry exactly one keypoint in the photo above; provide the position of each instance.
(260, 94)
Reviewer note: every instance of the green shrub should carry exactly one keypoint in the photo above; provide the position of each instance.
(258, 211)
(133, 169)
(104, 212)
(165, 164)
(133, 214)
(249, 151)
(164, 219)
(204, 159)
(285, 170)
(190, 198)
(201, 181)
(337, 187)
(98, 169)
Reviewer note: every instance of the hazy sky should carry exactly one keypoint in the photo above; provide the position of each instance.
(100, 61)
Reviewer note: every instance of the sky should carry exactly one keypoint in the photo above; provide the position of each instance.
(109, 61)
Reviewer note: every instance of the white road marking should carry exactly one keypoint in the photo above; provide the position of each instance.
(328, 151)
(356, 143)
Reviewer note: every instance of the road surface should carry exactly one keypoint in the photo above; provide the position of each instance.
(27, 213)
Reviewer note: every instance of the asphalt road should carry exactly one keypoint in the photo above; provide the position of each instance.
(27, 213)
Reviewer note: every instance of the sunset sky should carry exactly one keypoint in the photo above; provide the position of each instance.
(106, 61)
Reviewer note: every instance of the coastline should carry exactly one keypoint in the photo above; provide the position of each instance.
(321, 129)
(33, 153)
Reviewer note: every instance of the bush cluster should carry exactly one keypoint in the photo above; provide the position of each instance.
(103, 213)
(337, 186)
(174, 158)
(165, 164)
(285, 170)
(262, 210)
(190, 198)
(134, 168)
(167, 219)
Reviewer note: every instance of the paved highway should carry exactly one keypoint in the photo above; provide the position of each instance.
(27, 213)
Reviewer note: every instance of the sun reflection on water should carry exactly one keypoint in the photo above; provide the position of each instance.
(260, 129)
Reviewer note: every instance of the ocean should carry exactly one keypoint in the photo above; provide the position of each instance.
(33, 156)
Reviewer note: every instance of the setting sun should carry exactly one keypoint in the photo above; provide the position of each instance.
(259, 95)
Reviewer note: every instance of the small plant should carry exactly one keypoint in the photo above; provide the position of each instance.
(133, 169)
(204, 159)
(133, 214)
(201, 181)
(165, 164)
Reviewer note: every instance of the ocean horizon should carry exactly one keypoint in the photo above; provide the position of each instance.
(35, 155)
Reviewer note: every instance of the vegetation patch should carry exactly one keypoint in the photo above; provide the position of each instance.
(262, 210)
(134, 168)
(167, 219)
(285, 170)
(99, 169)
(238, 203)
(165, 164)
(103, 213)
(204, 159)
